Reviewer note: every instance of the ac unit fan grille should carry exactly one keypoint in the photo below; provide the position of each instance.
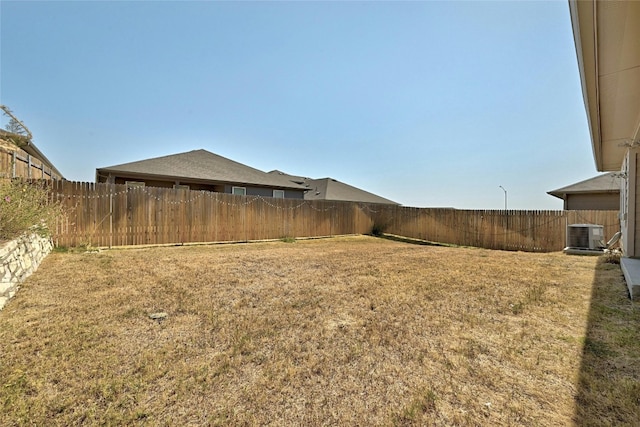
(579, 237)
(587, 236)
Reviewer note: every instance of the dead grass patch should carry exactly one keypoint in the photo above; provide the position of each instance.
(348, 331)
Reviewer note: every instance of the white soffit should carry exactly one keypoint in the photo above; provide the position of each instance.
(618, 65)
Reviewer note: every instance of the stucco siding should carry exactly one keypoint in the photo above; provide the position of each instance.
(603, 201)
(634, 202)
(161, 183)
(266, 192)
(219, 188)
(292, 194)
(624, 206)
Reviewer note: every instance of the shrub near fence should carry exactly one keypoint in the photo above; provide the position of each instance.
(112, 215)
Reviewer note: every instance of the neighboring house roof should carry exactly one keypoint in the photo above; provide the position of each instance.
(200, 165)
(29, 147)
(605, 183)
(332, 189)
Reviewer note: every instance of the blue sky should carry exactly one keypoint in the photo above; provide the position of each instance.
(430, 104)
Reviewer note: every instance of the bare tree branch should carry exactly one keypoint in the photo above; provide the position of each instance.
(15, 125)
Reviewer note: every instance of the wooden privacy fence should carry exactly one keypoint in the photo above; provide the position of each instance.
(112, 215)
(107, 215)
(531, 231)
(17, 163)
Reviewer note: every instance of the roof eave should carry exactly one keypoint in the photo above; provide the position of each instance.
(116, 172)
(34, 151)
(555, 194)
(583, 22)
(30, 148)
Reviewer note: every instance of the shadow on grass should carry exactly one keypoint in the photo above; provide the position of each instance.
(395, 238)
(609, 383)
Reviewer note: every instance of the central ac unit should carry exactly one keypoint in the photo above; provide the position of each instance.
(585, 236)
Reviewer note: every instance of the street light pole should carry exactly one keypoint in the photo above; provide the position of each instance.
(505, 197)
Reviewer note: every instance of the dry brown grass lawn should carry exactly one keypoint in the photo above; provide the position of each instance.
(345, 331)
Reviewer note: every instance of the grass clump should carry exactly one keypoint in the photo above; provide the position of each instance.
(418, 409)
(612, 257)
(378, 228)
(25, 206)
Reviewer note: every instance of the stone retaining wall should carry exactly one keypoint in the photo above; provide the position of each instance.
(18, 259)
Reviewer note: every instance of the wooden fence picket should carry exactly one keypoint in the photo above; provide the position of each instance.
(111, 215)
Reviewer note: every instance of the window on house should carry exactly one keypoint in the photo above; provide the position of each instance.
(134, 184)
(239, 191)
(181, 187)
(278, 194)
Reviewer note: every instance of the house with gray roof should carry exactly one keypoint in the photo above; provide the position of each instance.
(332, 189)
(201, 170)
(598, 193)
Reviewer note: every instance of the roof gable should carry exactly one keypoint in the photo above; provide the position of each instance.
(201, 165)
(336, 190)
(332, 189)
(605, 183)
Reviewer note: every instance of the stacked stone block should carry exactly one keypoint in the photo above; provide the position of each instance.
(18, 259)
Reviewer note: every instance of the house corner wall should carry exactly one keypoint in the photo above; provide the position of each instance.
(629, 200)
(634, 201)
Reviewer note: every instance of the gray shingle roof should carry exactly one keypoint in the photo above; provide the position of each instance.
(605, 183)
(332, 189)
(201, 165)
